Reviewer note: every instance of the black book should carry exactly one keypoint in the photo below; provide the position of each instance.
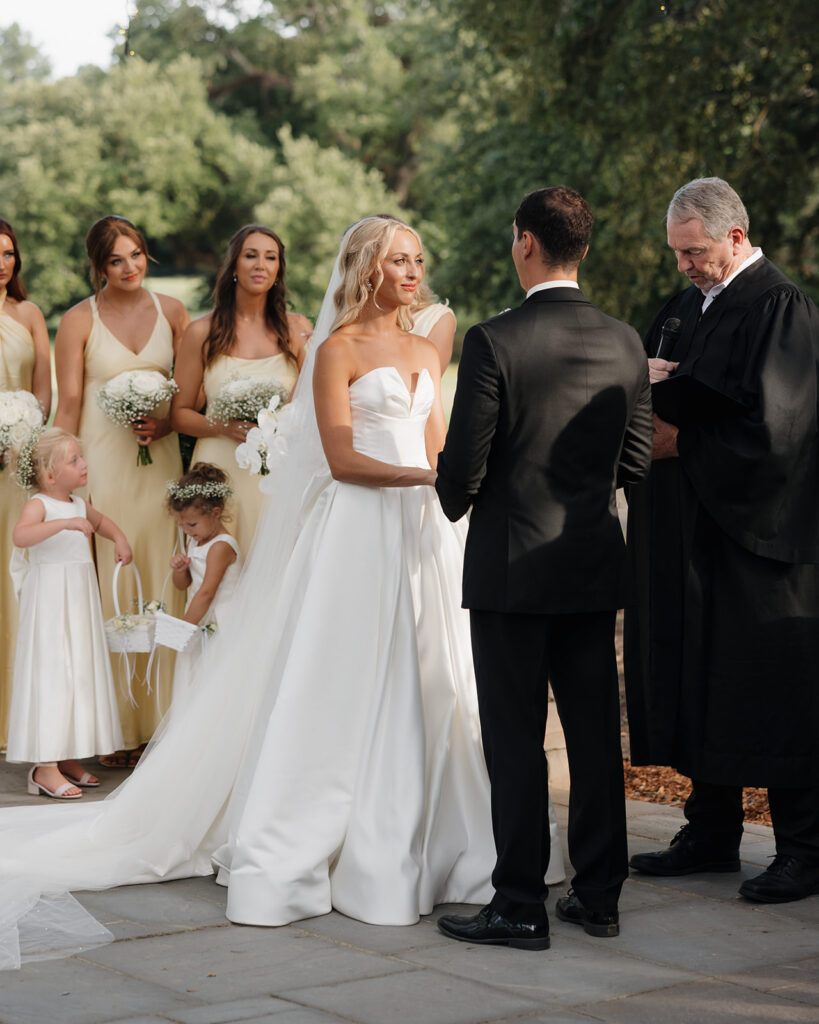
(683, 400)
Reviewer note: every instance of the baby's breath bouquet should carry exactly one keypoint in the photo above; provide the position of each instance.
(133, 394)
(20, 416)
(243, 398)
(255, 453)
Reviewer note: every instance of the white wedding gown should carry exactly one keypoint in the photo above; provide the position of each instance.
(370, 791)
(330, 755)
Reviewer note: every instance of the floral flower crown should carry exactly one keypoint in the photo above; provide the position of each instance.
(24, 473)
(212, 489)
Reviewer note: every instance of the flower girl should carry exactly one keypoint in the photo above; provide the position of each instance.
(63, 705)
(210, 569)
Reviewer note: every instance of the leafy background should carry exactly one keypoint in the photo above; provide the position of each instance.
(318, 112)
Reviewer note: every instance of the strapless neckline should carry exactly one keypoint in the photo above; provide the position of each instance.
(377, 369)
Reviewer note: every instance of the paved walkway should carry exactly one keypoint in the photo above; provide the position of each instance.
(690, 952)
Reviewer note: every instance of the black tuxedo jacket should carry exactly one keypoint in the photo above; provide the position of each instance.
(552, 411)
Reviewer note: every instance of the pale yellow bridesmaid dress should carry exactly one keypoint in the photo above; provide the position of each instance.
(134, 497)
(243, 508)
(16, 370)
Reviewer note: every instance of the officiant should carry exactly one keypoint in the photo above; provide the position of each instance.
(722, 650)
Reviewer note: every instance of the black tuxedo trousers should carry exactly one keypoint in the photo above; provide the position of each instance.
(516, 656)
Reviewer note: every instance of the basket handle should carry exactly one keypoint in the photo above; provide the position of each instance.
(114, 587)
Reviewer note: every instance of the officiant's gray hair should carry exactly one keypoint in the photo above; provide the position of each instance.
(365, 246)
(715, 203)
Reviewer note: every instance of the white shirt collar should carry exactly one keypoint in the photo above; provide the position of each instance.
(551, 284)
(756, 254)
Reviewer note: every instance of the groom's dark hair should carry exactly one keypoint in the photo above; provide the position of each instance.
(560, 220)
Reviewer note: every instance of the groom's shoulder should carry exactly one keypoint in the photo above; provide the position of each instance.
(506, 318)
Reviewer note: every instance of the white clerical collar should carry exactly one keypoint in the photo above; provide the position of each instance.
(551, 284)
(714, 292)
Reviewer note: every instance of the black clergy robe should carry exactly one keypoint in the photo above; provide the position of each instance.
(722, 646)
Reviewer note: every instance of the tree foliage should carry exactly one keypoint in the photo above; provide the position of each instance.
(626, 101)
(313, 113)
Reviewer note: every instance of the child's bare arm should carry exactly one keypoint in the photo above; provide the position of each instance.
(32, 529)
(107, 528)
(181, 573)
(220, 556)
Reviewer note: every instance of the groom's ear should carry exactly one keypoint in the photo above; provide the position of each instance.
(529, 244)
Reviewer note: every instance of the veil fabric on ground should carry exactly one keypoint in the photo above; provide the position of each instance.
(344, 769)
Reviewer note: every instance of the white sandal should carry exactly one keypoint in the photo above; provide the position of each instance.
(86, 780)
(60, 793)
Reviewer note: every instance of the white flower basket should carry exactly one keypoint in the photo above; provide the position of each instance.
(174, 633)
(131, 634)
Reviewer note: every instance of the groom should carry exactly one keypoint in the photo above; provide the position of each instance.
(552, 412)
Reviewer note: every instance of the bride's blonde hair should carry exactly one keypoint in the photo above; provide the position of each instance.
(365, 247)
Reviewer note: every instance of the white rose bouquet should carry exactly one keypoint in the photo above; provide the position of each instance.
(244, 398)
(131, 395)
(256, 453)
(20, 416)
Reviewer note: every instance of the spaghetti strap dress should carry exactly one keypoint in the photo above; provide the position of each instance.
(244, 505)
(16, 371)
(134, 497)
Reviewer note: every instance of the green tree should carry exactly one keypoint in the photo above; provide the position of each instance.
(315, 194)
(627, 100)
(20, 58)
(140, 140)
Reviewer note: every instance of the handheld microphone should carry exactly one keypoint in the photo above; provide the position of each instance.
(668, 333)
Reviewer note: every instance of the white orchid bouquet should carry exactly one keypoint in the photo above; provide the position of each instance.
(257, 451)
(244, 398)
(20, 417)
(133, 394)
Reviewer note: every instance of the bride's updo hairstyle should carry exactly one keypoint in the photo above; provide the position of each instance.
(100, 242)
(366, 245)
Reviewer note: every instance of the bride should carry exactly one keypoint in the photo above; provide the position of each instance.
(349, 772)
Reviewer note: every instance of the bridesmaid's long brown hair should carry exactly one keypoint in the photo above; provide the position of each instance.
(15, 286)
(223, 319)
(100, 242)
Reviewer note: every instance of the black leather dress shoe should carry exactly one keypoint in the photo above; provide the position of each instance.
(786, 879)
(488, 928)
(685, 856)
(594, 922)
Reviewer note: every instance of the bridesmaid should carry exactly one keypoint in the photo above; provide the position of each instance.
(25, 365)
(436, 321)
(248, 333)
(123, 326)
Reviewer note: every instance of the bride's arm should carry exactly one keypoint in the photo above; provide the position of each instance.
(331, 391)
(435, 432)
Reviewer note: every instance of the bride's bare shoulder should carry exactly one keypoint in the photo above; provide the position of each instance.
(337, 349)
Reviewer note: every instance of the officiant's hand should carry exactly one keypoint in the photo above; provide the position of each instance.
(660, 369)
(665, 438)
